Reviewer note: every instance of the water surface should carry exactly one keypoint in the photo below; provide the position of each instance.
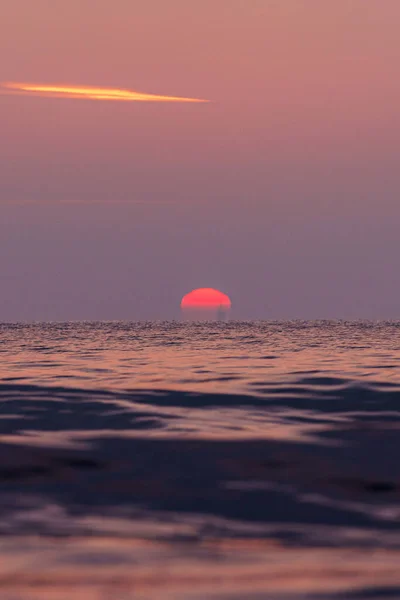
(222, 460)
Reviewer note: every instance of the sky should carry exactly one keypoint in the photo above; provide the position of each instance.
(282, 191)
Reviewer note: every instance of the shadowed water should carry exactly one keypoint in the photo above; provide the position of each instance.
(222, 460)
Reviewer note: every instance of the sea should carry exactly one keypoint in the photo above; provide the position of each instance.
(209, 460)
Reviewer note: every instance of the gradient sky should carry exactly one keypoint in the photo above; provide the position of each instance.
(283, 191)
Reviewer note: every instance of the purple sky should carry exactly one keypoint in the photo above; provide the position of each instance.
(283, 191)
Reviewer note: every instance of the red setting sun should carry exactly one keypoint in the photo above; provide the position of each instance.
(206, 298)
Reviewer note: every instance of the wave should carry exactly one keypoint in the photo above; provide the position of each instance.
(325, 456)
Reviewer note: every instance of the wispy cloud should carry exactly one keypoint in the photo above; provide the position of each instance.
(88, 93)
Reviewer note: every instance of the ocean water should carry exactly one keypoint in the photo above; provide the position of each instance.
(255, 460)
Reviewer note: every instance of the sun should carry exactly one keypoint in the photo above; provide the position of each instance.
(206, 298)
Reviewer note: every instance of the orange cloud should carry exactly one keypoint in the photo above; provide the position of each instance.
(88, 93)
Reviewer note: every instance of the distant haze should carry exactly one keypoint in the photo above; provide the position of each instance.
(283, 192)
